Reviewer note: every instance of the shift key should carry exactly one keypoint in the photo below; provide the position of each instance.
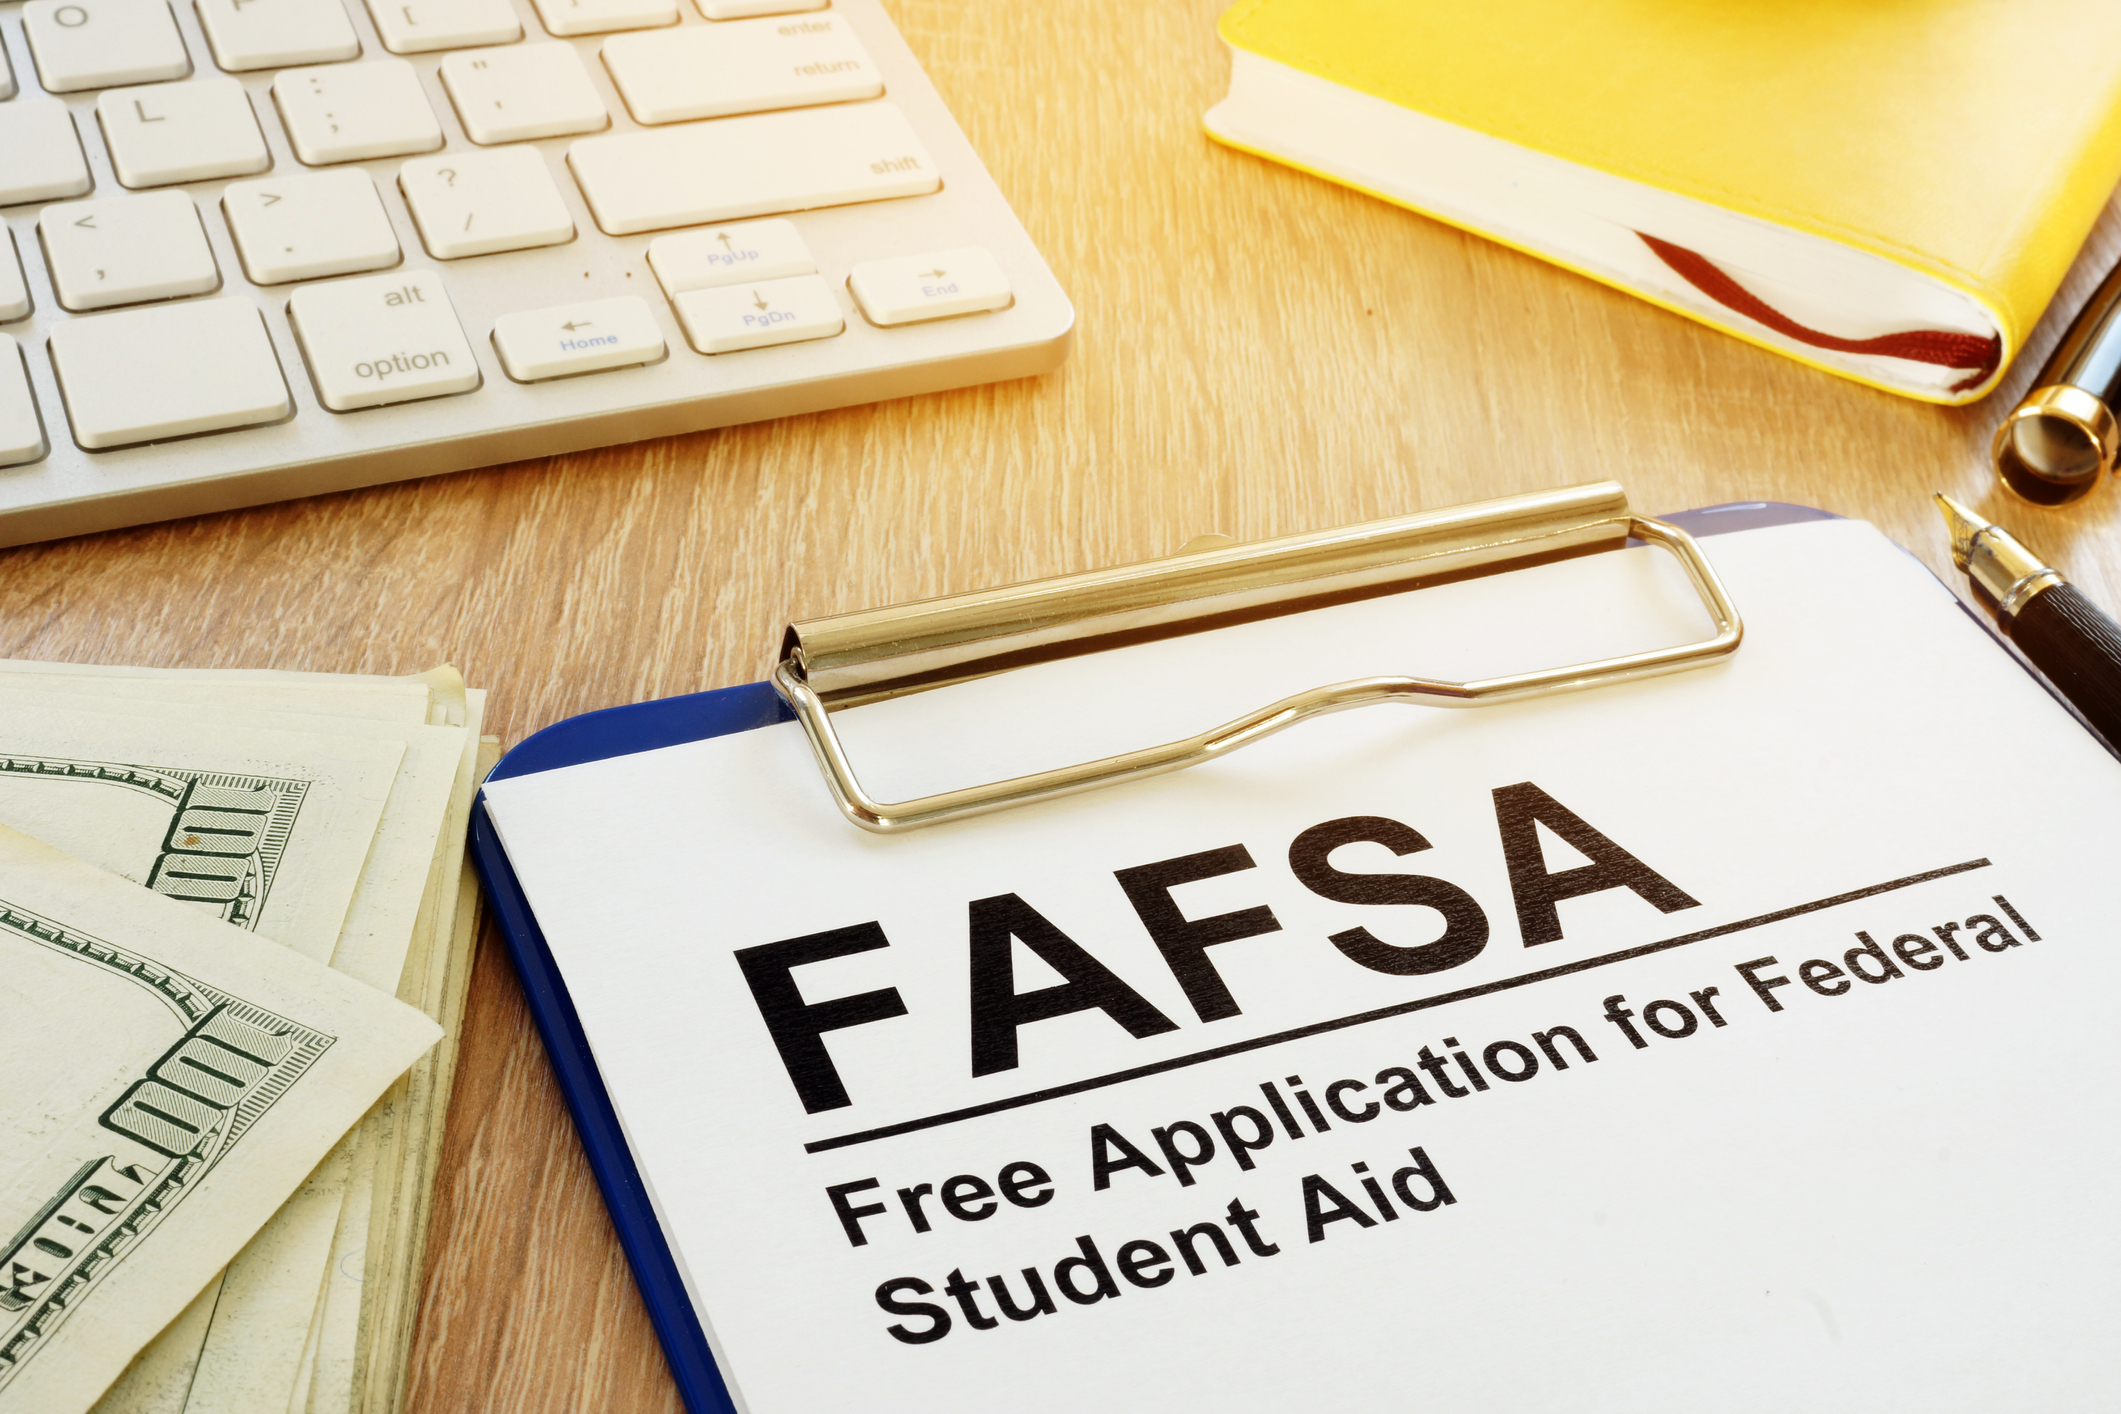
(385, 339)
(760, 165)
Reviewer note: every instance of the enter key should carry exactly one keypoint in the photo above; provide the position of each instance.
(916, 287)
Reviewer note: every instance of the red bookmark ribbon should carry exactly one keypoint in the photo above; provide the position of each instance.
(1942, 347)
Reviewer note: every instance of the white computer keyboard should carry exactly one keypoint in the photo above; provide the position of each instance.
(267, 248)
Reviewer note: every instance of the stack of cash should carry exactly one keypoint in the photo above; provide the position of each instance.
(217, 1167)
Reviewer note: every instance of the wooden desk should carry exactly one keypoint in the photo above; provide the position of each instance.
(1258, 352)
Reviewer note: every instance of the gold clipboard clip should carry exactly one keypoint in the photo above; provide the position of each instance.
(848, 659)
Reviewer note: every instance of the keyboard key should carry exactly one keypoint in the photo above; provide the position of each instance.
(566, 17)
(743, 9)
(712, 71)
(577, 338)
(100, 43)
(181, 132)
(40, 153)
(917, 287)
(273, 34)
(352, 112)
(757, 166)
(753, 316)
(386, 339)
(126, 249)
(148, 374)
(21, 430)
(729, 255)
(7, 75)
(14, 290)
(423, 25)
(510, 95)
(307, 225)
(476, 203)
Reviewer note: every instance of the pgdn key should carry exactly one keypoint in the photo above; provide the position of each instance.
(755, 316)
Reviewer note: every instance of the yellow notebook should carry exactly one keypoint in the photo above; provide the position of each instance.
(1890, 190)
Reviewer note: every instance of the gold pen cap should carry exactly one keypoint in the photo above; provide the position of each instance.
(2057, 442)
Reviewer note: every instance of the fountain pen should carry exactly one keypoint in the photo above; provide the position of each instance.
(2062, 633)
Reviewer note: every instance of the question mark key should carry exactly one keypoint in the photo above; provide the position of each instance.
(476, 203)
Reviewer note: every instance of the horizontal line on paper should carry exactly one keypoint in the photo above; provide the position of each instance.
(1099, 1082)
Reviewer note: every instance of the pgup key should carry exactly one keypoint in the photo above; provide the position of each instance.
(729, 255)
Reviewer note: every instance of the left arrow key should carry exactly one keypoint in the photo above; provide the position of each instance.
(577, 338)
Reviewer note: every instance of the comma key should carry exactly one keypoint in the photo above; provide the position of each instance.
(126, 250)
(386, 339)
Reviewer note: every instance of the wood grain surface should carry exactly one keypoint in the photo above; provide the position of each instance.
(1257, 352)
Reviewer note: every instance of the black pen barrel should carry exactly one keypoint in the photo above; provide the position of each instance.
(2078, 647)
(2089, 356)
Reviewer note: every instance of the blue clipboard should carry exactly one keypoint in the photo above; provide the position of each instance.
(649, 726)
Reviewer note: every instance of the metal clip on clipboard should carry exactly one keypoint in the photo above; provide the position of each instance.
(848, 659)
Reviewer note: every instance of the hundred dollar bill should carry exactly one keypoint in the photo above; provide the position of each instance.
(399, 847)
(170, 1081)
(266, 828)
(241, 1352)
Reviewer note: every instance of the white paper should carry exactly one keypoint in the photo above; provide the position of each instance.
(1895, 1197)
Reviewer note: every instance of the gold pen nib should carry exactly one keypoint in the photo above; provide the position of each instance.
(1965, 525)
